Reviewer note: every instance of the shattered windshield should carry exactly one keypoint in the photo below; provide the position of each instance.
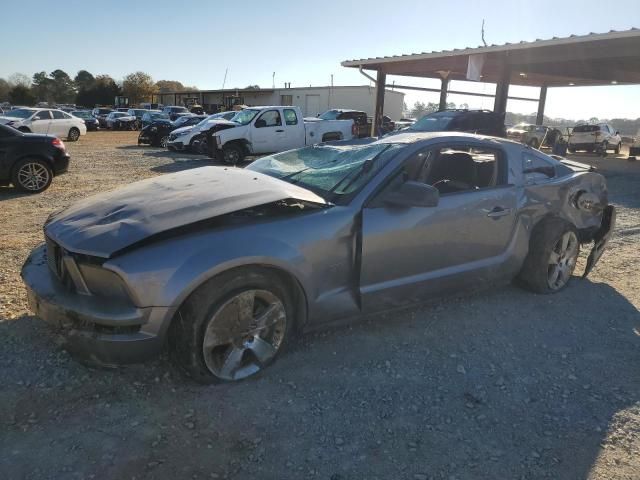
(335, 172)
(244, 117)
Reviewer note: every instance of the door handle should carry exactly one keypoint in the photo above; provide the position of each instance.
(497, 212)
(279, 131)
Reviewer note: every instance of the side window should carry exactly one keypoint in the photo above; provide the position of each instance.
(290, 116)
(42, 115)
(462, 168)
(536, 169)
(57, 115)
(270, 118)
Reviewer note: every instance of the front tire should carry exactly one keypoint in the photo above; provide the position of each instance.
(232, 154)
(618, 148)
(233, 326)
(32, 175)
(553, 252)
(74, 135)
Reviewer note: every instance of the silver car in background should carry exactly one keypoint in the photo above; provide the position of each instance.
(224, 265)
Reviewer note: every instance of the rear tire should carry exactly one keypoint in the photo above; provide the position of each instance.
(32, 175)
(245, 313)
(553, 250)
(164, 141)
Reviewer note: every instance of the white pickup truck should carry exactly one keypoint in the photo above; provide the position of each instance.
(259, 130)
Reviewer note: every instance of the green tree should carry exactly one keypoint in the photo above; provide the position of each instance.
(21, 95)
(4, 90)
(103, 92)
(41, 87)
(62, 87)
(139, 87)
(84, 80)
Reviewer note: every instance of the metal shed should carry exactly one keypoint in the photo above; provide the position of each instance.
(611, 58)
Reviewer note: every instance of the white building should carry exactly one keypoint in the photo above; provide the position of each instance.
(311, 100)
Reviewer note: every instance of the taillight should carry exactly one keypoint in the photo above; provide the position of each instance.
(56, 142)
(354, 129)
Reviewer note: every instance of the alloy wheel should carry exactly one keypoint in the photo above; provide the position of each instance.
(244, 334)
(33, 176)
(562, 261)
(164, 141)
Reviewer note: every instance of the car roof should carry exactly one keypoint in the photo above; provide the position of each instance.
(414, 137)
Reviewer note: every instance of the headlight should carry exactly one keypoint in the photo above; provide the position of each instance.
(103, 283)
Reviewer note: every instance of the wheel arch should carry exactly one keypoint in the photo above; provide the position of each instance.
(332, 136)
(38, 156)
(286, 276)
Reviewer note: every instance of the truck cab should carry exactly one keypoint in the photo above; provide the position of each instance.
(261, 130)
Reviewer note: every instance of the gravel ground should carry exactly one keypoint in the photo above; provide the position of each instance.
(503, 384)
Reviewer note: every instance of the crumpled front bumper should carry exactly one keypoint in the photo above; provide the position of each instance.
(100, 331)
(601, 238)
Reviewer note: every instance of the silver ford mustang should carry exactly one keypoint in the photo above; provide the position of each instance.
(224, 265)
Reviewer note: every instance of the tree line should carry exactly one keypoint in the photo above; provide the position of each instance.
(625, 126)
(84, 89)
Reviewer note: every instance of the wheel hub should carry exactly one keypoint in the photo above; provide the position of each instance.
(244, 334)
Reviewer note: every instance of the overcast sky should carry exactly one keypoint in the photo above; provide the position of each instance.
(303, 42)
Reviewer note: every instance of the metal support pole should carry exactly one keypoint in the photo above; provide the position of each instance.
(376, 124)
(443, 93)
(502, 91)
(541, 104)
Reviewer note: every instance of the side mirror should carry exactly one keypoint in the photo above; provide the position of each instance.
(260, 123)
(413, 194)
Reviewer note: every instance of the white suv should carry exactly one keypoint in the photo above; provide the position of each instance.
(598, 136)
(47, 121)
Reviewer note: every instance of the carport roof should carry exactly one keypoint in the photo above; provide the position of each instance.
(593, 59)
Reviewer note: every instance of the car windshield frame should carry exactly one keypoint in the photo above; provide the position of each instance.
(12, 113)
(239, 117)
(335, 172)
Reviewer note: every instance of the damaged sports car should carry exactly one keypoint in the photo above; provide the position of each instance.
(223, 266)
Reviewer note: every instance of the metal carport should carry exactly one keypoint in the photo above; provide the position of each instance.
(611, 58)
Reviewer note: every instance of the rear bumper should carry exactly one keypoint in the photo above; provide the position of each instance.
(601, 238)
(61, 164)
(97, 330)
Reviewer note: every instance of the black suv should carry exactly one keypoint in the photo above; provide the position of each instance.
(30, 161)
(482, 122)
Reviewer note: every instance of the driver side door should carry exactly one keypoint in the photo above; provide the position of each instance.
(268, 133)
(412, 253)
(41, 121)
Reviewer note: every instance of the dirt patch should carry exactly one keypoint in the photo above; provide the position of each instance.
(503, 384)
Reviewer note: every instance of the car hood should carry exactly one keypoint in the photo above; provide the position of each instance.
(4, 119)
(106, 223)
(182, 129)
(216, 121)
